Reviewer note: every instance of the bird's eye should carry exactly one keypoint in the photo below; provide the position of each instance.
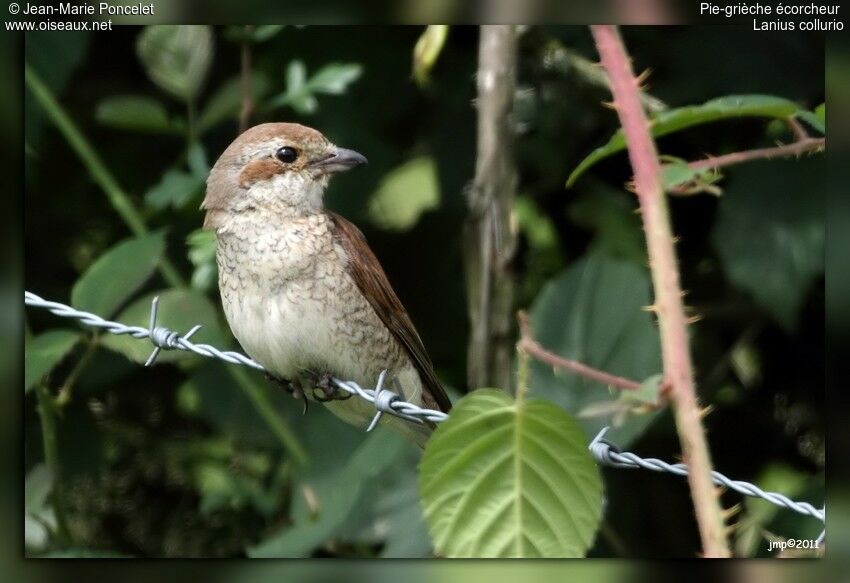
(286, 154)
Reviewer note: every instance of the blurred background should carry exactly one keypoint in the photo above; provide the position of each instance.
(192, 459)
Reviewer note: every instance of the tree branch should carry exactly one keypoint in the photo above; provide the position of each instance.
(802, 146)
(490, 242)
(678, 372)
(247, 89)
(528, 344)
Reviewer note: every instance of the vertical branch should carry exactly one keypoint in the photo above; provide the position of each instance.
(247, 90)
(490, 239)
(678, 373)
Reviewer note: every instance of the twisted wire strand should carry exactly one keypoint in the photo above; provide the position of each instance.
(386, 401)
(606, 453)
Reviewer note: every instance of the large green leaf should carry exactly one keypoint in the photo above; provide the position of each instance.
(116, 274)
(770, 232)
(680, 118)
(176, 57)
(593, 313)
(505, 478)
(137, 113)
(179, 310)
(44, 352)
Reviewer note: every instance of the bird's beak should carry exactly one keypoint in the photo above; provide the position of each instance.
(341, 159)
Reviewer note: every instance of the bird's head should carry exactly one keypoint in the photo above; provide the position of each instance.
(279, 168)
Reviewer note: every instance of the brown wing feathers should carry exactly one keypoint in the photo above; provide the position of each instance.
(372, 281)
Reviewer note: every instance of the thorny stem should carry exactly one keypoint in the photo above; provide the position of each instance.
(678, 372)
(47, 412)
(247, 98)
(528, 345)
(801, 146)
(117, 197)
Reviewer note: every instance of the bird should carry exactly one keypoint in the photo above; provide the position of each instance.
(301, 290)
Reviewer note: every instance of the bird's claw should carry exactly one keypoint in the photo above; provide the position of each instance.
(325, 390)
(292, 387)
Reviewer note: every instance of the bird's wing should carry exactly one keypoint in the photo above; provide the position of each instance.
(373, 283)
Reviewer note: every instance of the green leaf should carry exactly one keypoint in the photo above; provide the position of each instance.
(404, 194)
(264, 32)
(820, 112)
(226, 102)
(116, 274)
(593, 312)
(175, 189)
(610, 214)
(176, 57)
(391, 515)
(501, 478)
(426, 51)
(337, 498)
(770, 232)
(334, 78)
(196, 159)
(136, 113)
(202, 245)
(43, 352)
(256, 34)
(179, 310)
(816, 118)
(680, 118)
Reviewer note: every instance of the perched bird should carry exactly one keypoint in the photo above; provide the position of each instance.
(301, 289)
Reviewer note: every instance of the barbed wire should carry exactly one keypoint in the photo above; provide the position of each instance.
(385, 401)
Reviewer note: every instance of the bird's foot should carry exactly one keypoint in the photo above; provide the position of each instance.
(325, 390)
(292, 387)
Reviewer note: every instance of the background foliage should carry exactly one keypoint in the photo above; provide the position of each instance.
(195, 458)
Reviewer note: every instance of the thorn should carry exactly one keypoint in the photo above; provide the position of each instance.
(609, 105)
(650, 308)
(677, 239)
(693, 319)
(643, 77)
(703, 413)
(731, 511)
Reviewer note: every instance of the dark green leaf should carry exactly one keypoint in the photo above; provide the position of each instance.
(175, 189)
(43, 352)
(337, 499)
(226, 102)
(176, 57)
(116, 274)
(770, 232)
(680, 118)
(507, 479)
(594, 313)
(334, 78)
(136, 113)
(179, 310)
